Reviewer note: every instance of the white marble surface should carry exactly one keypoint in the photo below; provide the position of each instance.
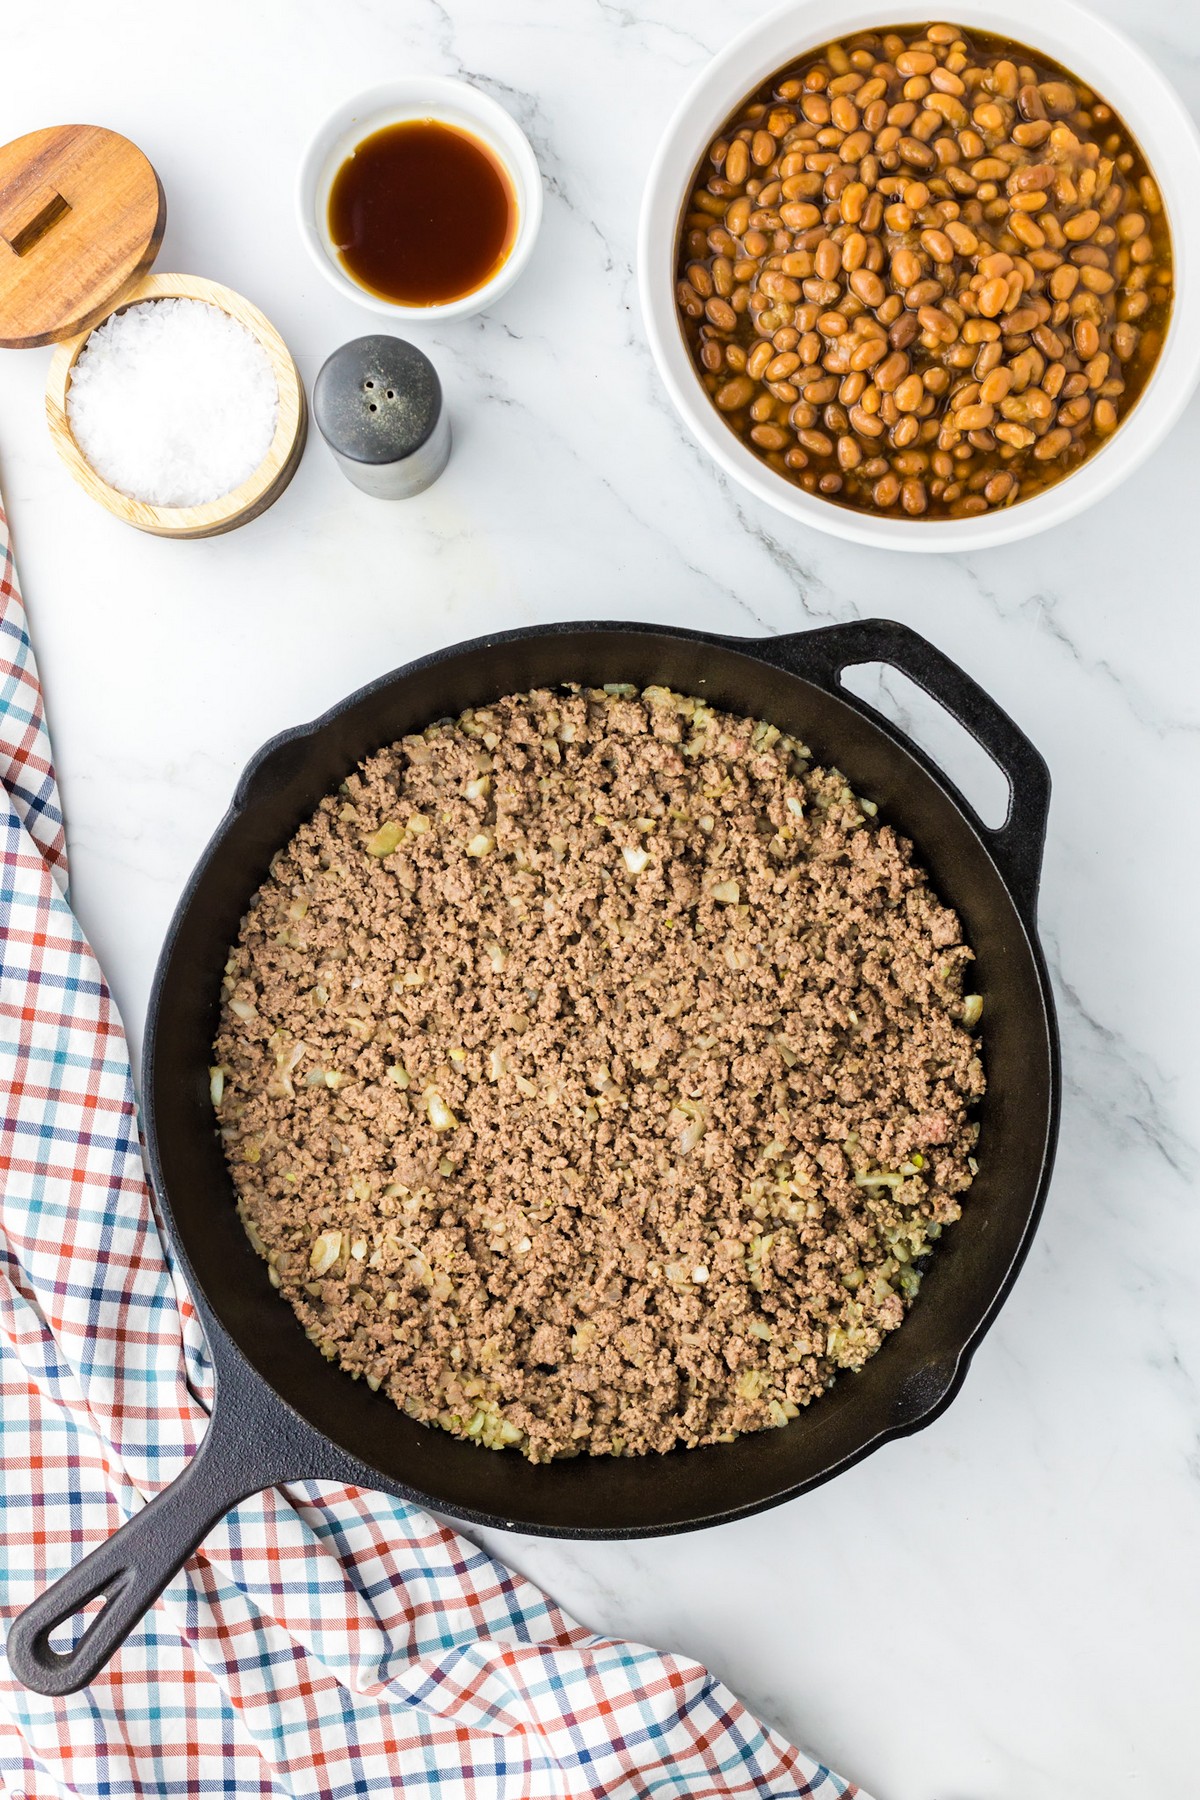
(1006, 1605)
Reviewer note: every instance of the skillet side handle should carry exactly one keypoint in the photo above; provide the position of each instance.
(821, 655)
(131, 1569)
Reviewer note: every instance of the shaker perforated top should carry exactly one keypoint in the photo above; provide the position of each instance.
(377, 399)
(378, 404)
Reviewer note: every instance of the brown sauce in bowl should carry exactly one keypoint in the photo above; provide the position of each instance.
(422, 213)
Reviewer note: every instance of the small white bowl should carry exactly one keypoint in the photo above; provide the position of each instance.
(418, 97)
(1085, 45)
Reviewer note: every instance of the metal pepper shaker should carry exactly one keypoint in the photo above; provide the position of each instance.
(378, 405)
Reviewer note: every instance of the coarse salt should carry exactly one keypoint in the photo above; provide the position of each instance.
(173, 402)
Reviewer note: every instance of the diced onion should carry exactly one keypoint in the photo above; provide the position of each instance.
(386, 839)
(440, 1115)
(690, 1136)
(325, 1252)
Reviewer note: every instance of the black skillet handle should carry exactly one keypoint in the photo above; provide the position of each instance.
(131, 1569)
(1016, 845)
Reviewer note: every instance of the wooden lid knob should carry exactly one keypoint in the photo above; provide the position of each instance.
(82, 215)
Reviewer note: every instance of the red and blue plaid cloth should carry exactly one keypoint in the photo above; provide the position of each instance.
(324, 1641)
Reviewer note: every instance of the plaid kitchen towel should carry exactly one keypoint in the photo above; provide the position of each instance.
(324, 1641)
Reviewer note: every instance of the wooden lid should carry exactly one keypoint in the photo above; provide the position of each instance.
(82, 215)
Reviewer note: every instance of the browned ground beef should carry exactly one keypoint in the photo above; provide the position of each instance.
(594, 1072)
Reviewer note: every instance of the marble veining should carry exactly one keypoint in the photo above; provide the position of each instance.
(1003, 1607)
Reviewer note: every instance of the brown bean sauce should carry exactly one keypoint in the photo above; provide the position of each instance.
(924, 272)
(422, 213)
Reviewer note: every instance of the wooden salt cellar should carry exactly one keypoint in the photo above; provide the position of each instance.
(82, 214)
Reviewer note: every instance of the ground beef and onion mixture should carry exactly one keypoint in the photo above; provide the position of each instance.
(595, 1073)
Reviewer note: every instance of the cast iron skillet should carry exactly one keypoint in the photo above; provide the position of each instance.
(283, 1413)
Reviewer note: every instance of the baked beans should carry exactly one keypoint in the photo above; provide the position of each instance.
(924, 272)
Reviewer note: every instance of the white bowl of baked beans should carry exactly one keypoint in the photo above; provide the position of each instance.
(923, 284)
